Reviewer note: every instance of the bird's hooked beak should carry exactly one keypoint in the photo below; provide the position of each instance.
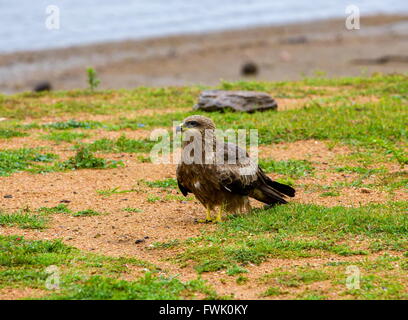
(179, 128)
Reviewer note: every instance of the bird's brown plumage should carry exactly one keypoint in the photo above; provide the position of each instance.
(217, 182)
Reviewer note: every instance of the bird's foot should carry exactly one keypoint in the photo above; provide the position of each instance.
(204, 220)
(208, 218)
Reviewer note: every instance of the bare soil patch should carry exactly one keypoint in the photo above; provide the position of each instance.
(21, 293)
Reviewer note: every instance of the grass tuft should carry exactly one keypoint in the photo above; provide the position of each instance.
(65, 136)
(7, 134)
(21, 159)
(23, 220)
(84, 159)
(122, 144)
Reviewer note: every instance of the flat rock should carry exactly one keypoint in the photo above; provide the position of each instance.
(242, 101)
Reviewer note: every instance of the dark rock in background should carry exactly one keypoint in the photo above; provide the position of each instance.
(249, 69)
(382, 60)
(295, 40)
(42, 86)
(242, 101)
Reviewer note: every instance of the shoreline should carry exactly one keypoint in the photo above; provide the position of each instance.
(281, 52)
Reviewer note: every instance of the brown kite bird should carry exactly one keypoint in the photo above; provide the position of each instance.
(222, 175)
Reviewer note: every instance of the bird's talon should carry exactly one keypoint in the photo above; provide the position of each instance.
(203, 221)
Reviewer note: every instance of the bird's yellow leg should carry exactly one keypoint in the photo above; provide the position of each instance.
(208, 217)
(218, 218)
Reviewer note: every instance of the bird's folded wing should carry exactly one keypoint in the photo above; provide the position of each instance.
(237, 173)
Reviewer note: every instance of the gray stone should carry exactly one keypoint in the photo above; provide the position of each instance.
(242, 101)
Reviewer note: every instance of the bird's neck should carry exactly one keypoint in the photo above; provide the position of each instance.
(198, 146)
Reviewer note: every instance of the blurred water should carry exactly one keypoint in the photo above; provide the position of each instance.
(22, 22)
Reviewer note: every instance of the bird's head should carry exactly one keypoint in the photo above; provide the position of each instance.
(196, 122)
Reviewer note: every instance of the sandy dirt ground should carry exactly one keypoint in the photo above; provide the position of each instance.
(282, 53)
(115, 233)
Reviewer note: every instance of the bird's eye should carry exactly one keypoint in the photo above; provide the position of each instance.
(192, 123)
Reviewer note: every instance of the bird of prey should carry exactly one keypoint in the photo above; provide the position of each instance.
(221, 175)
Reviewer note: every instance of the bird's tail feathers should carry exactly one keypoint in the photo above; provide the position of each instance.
(268, 195)
(282, 188)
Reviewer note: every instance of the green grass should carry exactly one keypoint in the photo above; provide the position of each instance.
(132, 210)
(112, 191)
(383, 179)
(374, 287)
(148, 287)
(272, 291)
(378, 280)
(33, 219)
(86, 213)
(122, 144)
(295, 278)
(39, 218)
(93, 81)
(26, 159)
(241, 280)
(394, 181)
(7, 134)
(178, 197)
(293, 231)
(377, 124)
(330, 194)
(377, 127)
(22, 159)
(361, 170)
(73, 124)
(292, 168)
(62, 208)
(311, 295)
(375, 220)
(23, 263)
(57, 103)
(84, 159)
(166, 245)
(24, 220)
(153, 199)
(169, 183)
(65, 136)
(376, 121)
(235, 269)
